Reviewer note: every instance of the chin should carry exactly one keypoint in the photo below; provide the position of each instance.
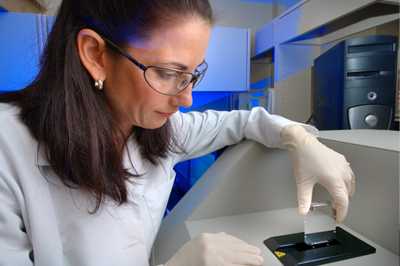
(156, 125)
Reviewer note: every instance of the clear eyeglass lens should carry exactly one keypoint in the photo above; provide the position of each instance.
(167, 81)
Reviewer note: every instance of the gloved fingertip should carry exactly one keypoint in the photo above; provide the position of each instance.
(261, 260)
(304, 197)
(340, 215)
(257, 250)
(303, 210)
(304, 204)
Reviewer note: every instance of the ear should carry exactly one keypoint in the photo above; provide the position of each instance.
(92, 49)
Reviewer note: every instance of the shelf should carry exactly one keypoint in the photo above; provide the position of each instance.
(305, 21)
(369, 17)
(314, 14)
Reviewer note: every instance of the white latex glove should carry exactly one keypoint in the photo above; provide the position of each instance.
(314, 163)
(216, 250)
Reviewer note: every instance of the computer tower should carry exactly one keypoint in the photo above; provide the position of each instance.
(355, 84)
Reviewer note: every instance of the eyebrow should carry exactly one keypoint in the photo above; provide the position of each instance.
(178, 65)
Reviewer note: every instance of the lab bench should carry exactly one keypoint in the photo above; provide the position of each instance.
(250, 192)
(255, 227)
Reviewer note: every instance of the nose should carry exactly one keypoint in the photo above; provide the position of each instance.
(184, 98)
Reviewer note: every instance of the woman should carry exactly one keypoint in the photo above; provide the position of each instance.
(87, 150)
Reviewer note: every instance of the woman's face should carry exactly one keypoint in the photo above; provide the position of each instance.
(180, 46)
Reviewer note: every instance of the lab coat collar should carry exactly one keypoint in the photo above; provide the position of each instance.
(132, 159)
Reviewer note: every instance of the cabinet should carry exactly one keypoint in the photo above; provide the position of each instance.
(23, 35)
(228, 58)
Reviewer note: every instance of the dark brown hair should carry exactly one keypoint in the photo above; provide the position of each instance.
(70, 117)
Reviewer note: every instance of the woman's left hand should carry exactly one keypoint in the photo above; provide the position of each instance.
(314, 163)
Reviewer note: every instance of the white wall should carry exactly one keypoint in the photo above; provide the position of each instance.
(283, 5)
(31, 6)
(20, 6)
(239, 13)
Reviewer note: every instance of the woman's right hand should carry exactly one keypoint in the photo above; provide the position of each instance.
(218, 249)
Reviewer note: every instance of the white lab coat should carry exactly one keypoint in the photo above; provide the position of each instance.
(41, 218)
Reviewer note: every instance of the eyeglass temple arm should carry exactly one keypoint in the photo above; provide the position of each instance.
(117, 49)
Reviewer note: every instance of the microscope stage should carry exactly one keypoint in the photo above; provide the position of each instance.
(291, 249)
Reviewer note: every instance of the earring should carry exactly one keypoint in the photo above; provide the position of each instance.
(99, 84)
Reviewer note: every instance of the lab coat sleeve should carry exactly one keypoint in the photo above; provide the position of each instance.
(15, 246)
(205, 132)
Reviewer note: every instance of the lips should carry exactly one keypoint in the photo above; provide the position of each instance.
(166, 113)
